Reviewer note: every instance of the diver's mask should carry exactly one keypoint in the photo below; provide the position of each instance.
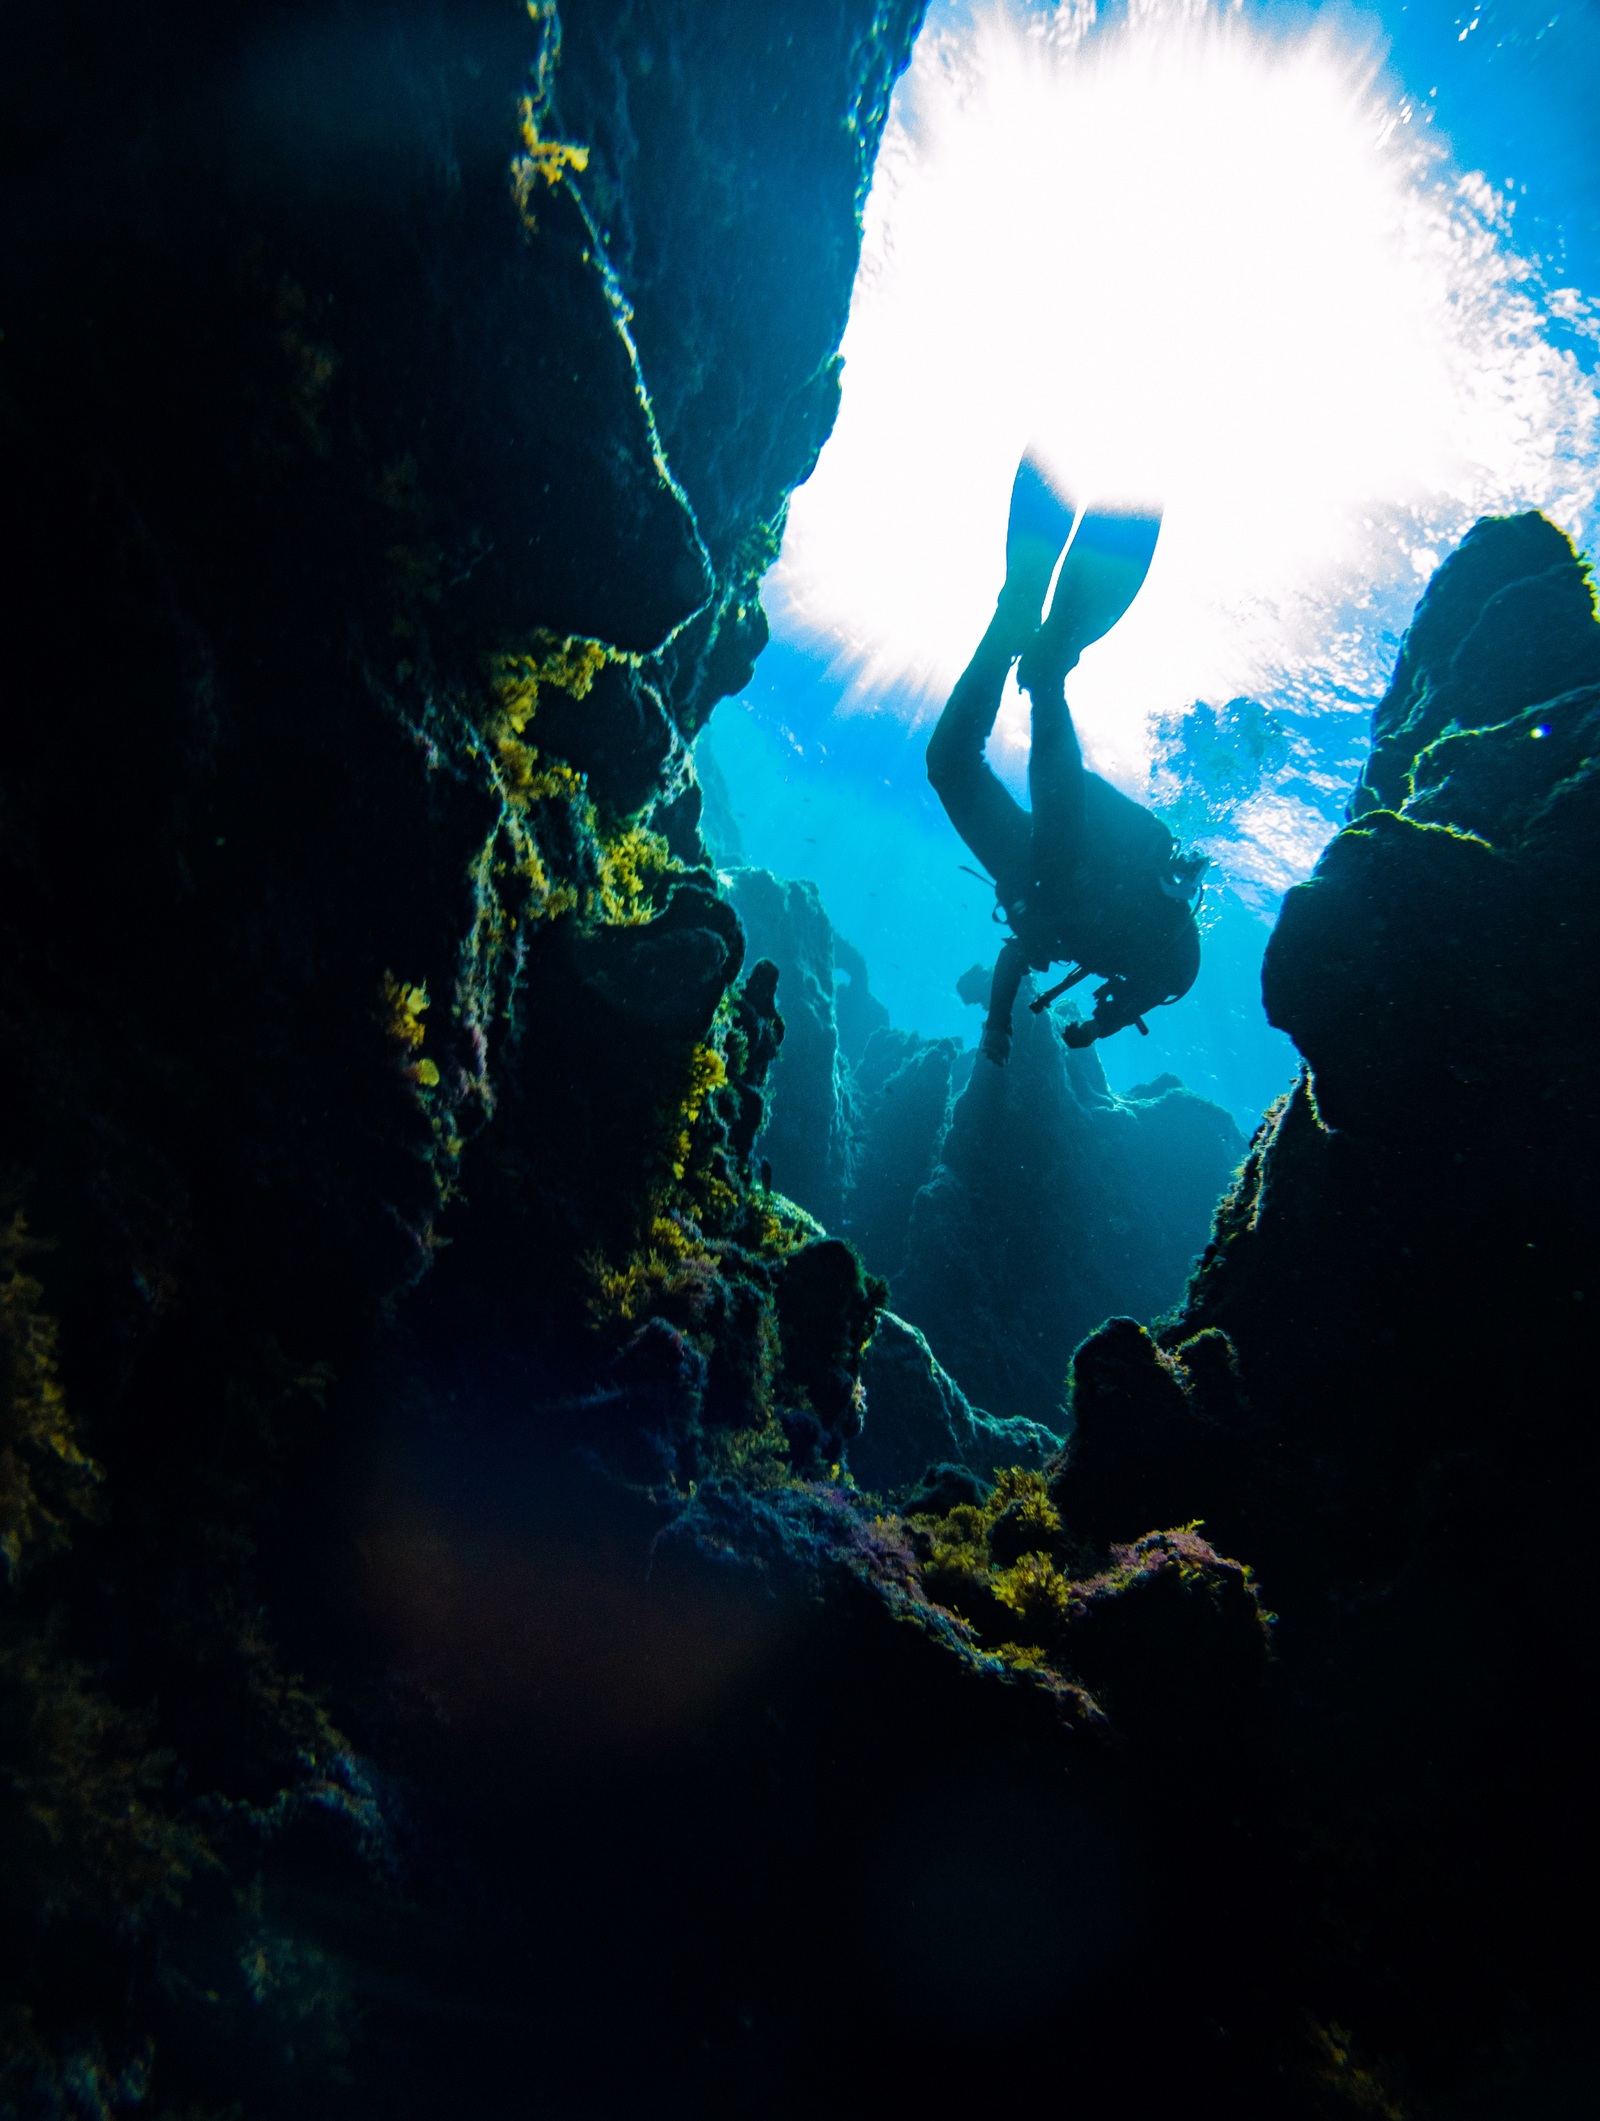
(1180, 879)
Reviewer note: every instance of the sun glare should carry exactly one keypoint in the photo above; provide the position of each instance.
(1195, 261)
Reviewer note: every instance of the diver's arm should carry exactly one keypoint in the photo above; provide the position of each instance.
(1012, 962)
(1115, 1008)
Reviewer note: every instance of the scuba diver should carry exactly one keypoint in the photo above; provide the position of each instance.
(1088, 877)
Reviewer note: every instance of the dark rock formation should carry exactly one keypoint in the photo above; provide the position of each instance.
(917, 1416)
(1047, 1204)
(1506, 621)
(378, 529)
(827, 1310)
(1375, 1390)
(441, 1669)
(730, 150)
(808, 1138)
(1054, 1204)
(902, 1109)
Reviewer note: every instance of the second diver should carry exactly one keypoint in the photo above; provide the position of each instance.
(1087, 877)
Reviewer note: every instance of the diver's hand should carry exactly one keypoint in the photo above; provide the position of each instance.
(1080, 1035)
(995, 1044)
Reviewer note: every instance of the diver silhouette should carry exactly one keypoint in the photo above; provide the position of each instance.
(1088, 877)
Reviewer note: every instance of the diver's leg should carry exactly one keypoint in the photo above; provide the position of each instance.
(985, 813)
(1057, 792)
(992, 823)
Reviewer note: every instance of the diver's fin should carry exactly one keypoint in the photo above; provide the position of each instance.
(1103, 572)
(1037, 529)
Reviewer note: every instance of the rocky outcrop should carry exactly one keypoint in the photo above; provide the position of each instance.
(916, 1416)
(1375, 1389)
(729, 153)
(1505, 622)
(902, 1109)
(808, 1139)
(1011, 1218)
(1054, 1204)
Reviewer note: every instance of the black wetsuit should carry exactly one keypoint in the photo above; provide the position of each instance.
(1082, 876)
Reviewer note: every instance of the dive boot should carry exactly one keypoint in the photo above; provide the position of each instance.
(1037, 530)
(1101, 575)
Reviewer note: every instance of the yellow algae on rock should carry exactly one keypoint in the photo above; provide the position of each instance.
(45, 1475)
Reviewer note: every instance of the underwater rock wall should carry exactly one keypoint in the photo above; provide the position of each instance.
(737, 258)
(357, 937)
(1376, 1389)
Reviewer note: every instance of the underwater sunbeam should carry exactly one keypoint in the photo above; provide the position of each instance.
(1194, 258)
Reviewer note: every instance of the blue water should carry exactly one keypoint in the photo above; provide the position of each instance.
(1513, 86)
(841, 798)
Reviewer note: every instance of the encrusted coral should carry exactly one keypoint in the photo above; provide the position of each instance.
(781, 1313)
(46, 1477)
(406, 1007)
(1360, 2086)
(1101, 1634)
(550, 853)
(94, 1833)
(542, 160)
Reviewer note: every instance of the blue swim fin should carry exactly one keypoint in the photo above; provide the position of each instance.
(1103, 572)
(1037, 529)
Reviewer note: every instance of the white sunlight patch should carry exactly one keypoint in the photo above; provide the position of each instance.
(1192, 261)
